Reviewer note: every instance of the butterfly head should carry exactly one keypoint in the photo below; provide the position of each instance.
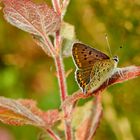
(116, 59)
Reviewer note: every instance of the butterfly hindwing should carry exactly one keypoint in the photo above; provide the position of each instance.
(83, 77)
(85, 56)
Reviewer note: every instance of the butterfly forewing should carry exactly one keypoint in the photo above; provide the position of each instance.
(85, 56)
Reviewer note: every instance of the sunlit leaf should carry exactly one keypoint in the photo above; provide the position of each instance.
(37, 19)
(24, 112)
(68, 33)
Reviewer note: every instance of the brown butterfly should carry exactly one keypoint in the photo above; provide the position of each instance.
(93, 66)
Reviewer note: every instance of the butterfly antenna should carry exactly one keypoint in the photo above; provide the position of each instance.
(108, 45)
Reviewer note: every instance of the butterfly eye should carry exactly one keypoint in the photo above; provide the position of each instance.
(116, 59)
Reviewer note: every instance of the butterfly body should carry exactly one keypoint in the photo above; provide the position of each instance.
(93, 67)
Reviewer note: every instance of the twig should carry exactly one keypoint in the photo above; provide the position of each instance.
(88, 127)
(97, 116)
(61, 77)
(62, 83)
(57, 6)
(63, 93)
(127, 72)
(52, 134)
(60, 71)
(68, 129)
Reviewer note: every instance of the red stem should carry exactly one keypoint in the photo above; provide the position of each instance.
(68, 130)
(63, 92)
(62, 83)
(97, 116)
(52, 134)
(127, 73)
(61, 72)
(61, 77)
(56, 5)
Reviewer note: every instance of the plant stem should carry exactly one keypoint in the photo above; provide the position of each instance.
(60, 70)
(57, 6)
(52, 134)
(68, 130)
(61, 77)
(63, 94)
(62, 83)
(97, 116)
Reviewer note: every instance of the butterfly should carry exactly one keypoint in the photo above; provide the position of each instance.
(93, 66)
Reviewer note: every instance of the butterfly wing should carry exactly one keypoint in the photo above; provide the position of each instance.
(83, 77)
(85, 56)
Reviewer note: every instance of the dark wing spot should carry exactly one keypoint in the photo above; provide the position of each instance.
(83, 49)
(82, 52)
(85, 58)
(85, 55)
(90, 52)
(97, 70)
(96, 55)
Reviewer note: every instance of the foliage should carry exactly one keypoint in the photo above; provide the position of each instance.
(55, 37)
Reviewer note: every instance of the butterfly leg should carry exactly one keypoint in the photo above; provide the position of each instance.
(120, 73)
(107, 81)
(84, 91)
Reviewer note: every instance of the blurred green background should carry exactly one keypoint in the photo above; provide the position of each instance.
(26, 72)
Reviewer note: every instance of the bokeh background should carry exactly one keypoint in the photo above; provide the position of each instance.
(26, 72)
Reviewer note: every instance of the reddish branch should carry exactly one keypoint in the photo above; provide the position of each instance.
(56, 5)
(63, 91)
(61, 77)
(60, 70)
(95, 117)
(122, 75)
(88, 126)
(52, 134)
